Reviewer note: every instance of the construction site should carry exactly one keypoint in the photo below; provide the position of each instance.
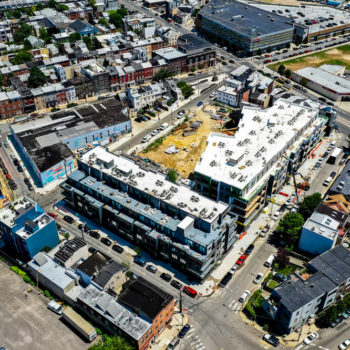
(182, 149)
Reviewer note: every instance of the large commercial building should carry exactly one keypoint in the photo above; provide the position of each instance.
(134, 199)
(26, 228)
(46, 143)
(244, 169)
(243, 26)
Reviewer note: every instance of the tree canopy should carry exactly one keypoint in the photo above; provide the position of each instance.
(289, 228)
(36, 78)
(281, 69)
(22, 57)
(309, 204)
(172, 176)
(22, 32)
(74, 37)
(111, 343)
(163, 74)
(116, 17)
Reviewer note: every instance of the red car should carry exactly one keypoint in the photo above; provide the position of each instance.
(53, 215)
(241, 259)
(267, 55)
(307, 51)
(189, 291)
(267, 61)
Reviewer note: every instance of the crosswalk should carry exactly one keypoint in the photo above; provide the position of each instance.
(195, 340)
(234, 306)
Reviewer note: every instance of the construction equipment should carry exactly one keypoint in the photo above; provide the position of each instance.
(303, 185)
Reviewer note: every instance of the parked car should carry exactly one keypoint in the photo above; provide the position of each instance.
(337, 322)
(92, 250)
(223, 283)
(155, 132)
(249, 249)
(164, 126)
(345, 315)
(52, 215)
(258, 278)
(271, 339)
(317, 165)
(106, 241)
(165, 276)
(151, 268)
(55, 307)
(30, 187)
(94, 234)
(26, 181)
(184, 330)
(276, 216)
(19, 168)
(212, 94)
(68, 219)
(189, 291)
(344, 345)
(118, 248)
(139, 261)
(244, 296)
(181, 113)
(233, 269)
(310, 338)
(241, 259)
(176, 284)
(279, 277)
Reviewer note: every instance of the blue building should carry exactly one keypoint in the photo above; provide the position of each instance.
(134, 199)
(83, 28)
(27, 229)
(46, 144)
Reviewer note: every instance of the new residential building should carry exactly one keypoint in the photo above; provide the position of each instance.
(244, 169)
(134, 199)
(26, 228)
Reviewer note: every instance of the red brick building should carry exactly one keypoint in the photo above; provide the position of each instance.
(11, 104)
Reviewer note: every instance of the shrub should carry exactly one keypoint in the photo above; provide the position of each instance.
(172, 176)
(266, 327)
(71, 105)
(18, 271)
(27, 279)
(250, 310)
(98, 331)
(47, 293)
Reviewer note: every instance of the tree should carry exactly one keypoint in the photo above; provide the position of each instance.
(163, 74)
(111, 343)
(304, 81)
(187, 91)
(51, 4)
(309, 204)
(2, 80)
(27, 45)
(74, 37)
(62, 7)
(181, 84)
(123, 11)
(22, 57)
(282, 257)
(92, 3)
(22, 32)
(40, 7)
(341, 307)
(116, 19)
(281, 69)
(103, 21)
(328, 316)
(172, 175)
(193, 69)
(288, 73)
(96, 44)
(46, 249)
(289, 228)
(88, 42)
(43, 35)
(36, 78)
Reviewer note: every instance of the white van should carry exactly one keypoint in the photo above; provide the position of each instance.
(327, 181)
(146, 138)
(269, 261)
(55, 307)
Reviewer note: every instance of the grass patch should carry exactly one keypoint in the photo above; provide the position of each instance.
(154, 145)
(272, 284)
(286, 270)
(344, 49)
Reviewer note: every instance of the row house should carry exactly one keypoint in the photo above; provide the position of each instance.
(10, 104)
(143, 72)
(175, 59)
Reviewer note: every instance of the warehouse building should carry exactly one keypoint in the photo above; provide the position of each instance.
(245, 169)
(46, 143)
(134, 199)
(324, 82)
(244, 27)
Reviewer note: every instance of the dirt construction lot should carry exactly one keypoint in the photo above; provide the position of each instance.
(184, 161)
(339, 56)
(26, 323)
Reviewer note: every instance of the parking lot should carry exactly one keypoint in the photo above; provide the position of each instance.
(26, 323)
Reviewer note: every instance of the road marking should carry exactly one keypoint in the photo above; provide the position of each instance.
(202, 348)
(299, 347)
(231, 303)
(196, 342)
(322, 347)
(199, 346)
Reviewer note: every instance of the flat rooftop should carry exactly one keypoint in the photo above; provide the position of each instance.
(335, 83)
(326, 13)
(109, 308)
(245, 19)
(247, 159)
(44, 138)
(323, 225)
(155, 184)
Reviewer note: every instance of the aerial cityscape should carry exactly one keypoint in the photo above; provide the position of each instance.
(174, 174)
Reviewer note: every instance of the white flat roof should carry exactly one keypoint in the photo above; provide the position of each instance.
(246, 159)
(327, 80)
(155, 184)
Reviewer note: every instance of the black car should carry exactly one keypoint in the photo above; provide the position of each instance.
(176, 284)
(106, 241)
(19, 169)
(283, 207)
(224, 63)
(15, 162)
(225, 280)
(26, 181)
(13, 185)
(325, 155)
(92, 250)
(165, 277)
(184, 330)
(271, 339)
(336, 322)
(232, 61)
(30, 187)
(332, 174)
(68, 219)
(118, 248)
(249, 249)
(94, 234)
(84, 227)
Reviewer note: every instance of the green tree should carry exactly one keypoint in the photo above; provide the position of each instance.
(36, 78)
(74, 37)
(111, 343)
(341, 307)
(328, 316)
(17, 13)
(62, 7)
(46, 249)
(163, 74)
(289, 228)
(51, 4)
(187, 91)
(96, 44)
(309, 204)
(40, 7)
(27, 45)
(92, 3)
(172, 175)
(281, 69)
(103, 21)
(116, 19)
(123, 11)
(88, 42)
(43, 35)
(193, 69)
(30, 10)
(288, 73)
(22, 32)
(2, 80)
(304, 81)
(181, 84)
(22, 57)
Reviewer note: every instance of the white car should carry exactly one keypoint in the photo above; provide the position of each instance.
(213, 94)
(155, 132)
(234, 269)
(344, 345)
(244, 296)
(55, 307)
(164, 126)
(276, 216)
(310, 338)
(258, 278)
(181, 113)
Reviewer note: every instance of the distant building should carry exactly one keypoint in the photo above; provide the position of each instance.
(47, 142)
(27, 229)
(294, 302)
(145, 95)
(83, 28)
(71, 251)
(244, 26)
(176, 60)
(319, 234)
(227, 95)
